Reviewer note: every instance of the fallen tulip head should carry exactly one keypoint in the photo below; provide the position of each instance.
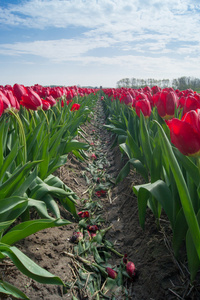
(92, 228)
(100, 193)
(76, 237)
(83, 214)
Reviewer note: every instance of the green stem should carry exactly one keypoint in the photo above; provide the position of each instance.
(21, 133)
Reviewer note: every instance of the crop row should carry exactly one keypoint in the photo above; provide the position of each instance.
(38, 126)
(159, 131)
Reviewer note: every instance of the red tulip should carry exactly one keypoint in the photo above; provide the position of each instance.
(5, 101)
(131, 269)
(111, 273)
(189, 103)
(19, 91)
(126, 98)
(75, 106)
(31, 100)
(45, 104)
(166, 103)
(13, 100)
(144, 106)
(185, 133)
(1, 106)
(51, 100)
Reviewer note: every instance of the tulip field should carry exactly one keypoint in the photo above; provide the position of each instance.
(158, 134)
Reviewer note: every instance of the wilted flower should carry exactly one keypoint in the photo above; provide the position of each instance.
(93, 156)
(76, 237)
(111, 273)
(100, 193)
(131, 269)
(83, 214)
(91, 234)
(92, 228)
(125, 260)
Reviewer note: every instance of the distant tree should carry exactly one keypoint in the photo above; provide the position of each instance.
(181, 83)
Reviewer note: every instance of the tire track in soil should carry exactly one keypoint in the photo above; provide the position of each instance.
(157, 270)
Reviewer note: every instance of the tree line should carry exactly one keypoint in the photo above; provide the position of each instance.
(181, 83)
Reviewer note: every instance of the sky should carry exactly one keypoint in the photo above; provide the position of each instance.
(97, 42)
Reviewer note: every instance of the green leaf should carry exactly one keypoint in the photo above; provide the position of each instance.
(52, 205)
(40, 206)
(160, 191)
(69, 205)
(139, 167)
(5, 225)
(56, 163)
(145, 141)
(26, 184)
(9, 289)
(188, 164)
(28, 267)
(123, 173)
(43, 167)
(75, 145)
(27, 228)
(183, 190)
(193, 258)
(16, 179)
(135, 150)
(9, 159)
(12, 207)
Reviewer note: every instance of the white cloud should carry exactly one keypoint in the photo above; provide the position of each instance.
(147, 36)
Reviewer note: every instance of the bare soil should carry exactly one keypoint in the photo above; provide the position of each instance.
(161, 276)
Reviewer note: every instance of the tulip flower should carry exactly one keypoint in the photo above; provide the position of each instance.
(19, 91)
(1, 107)
(144, 106)
(75, 106)
(189, 103)
(166, 101)
(31, 100)
(45, 105)
(5, 101)
(51, 100)
(83, 214)
(111, 273)
(126, 98)
(185, 133)
(13, 100)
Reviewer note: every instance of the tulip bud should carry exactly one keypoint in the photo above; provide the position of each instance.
(111, 273)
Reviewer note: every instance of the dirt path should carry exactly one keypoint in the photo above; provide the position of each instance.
(160, 277)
